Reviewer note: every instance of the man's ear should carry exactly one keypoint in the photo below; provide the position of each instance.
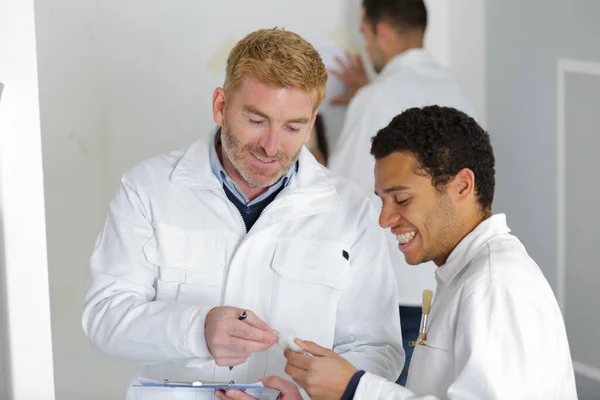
(218, 106)
(463, 184)
(384, 34)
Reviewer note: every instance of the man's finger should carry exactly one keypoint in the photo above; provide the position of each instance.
(276, 382)
(351, 56)
(357, 61)
(242, 330)
(344, 76)
(258, 323)
(313, 348)
(297, 374)
(240, 345)
(238, 395)
(338, 74)
(297, 360)
(343, 63)
(229, 352)
(233, 394)
(361, 67)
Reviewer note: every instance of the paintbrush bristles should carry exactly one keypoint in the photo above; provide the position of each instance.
(427, 296)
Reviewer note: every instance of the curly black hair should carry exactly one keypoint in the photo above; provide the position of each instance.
(444, 140)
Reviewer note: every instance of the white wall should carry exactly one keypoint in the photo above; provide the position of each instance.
(456, 37)
(4, 378)
(543, 118)
(467, 35)
(121, 81)
(74, 124)
(25, 318)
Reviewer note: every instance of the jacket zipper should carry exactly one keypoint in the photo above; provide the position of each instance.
(224, 197)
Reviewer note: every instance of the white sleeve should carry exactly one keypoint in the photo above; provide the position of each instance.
(373, 387)
(367, 331)
(120, 315)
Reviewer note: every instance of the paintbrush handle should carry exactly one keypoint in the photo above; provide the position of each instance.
(423, 330)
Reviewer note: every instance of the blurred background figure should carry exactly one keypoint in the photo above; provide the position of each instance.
(332, 112)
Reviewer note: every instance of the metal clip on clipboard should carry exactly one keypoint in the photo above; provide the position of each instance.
(198, 383)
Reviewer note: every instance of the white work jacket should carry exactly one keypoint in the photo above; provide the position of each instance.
(174, 247)
(411, 79)
(495, 330)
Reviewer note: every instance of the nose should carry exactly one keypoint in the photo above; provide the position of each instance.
(270, 142)
(388, 217)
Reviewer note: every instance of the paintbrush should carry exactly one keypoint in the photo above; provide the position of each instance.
(427, 296)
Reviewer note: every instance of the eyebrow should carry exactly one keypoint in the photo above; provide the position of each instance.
(393, 189)
(254, 110)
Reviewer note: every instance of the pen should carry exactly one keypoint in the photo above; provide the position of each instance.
(241, 318)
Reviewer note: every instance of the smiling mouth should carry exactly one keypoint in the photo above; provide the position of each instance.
(263, 160)
(405, 238)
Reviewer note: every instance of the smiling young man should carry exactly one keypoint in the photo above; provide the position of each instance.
(408, 76)
(244, 222)
(495, 330)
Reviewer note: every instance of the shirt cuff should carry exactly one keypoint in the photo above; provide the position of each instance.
(195, 343)
(352, 385)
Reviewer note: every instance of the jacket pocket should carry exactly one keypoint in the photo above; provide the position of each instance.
(310, 278)
(189, 264)
(434, 358)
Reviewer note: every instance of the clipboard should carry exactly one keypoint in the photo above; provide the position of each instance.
(257, 390)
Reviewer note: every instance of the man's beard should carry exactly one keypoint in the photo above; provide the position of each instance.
(239, 156)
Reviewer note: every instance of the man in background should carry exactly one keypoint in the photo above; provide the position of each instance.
(408, 76)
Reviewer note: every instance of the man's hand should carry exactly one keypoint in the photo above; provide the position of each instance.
(324, 376)
(288, 390)
(231, 341)
(352, 73)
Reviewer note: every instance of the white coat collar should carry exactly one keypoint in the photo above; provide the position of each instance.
(412, 58)
(312, 182)
(464, 252)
